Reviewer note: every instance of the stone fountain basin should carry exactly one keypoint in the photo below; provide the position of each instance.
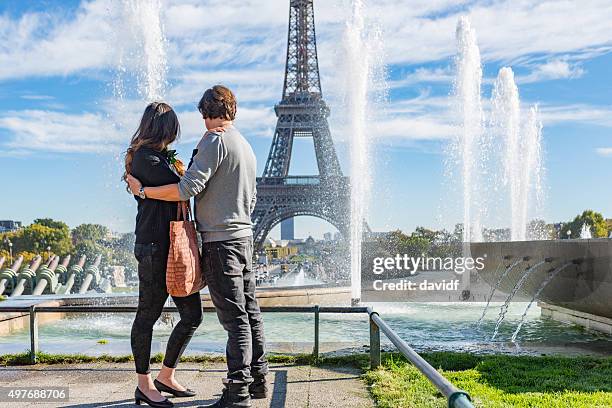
(585, 287)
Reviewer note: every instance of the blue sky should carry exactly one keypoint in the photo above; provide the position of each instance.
(62, 128)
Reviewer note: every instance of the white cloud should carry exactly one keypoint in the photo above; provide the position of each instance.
(581, 113)
(424, 75)
(189, 86)
(58, 132)
(228, 41)
(206, 34)
(553, 69)
(31, 97)
(604, 151)
(43, 44)
(108, 130)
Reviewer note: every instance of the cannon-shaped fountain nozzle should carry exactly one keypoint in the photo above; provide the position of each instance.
(49, 260)
(8, 277)
(526, 258)
(92, 274)
(507, 257)
(75, 271)
(63, 267)
(27, 276)
(46, 278)
(577, 261)
(549, 259)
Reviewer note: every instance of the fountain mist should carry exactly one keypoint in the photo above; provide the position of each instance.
(543, 285)
(506, 121)
(144, 53)
(476, 149)
(513, 292)
(358, 73)
(531, 183)
(469, 104)
(585, 232)
(494, 287)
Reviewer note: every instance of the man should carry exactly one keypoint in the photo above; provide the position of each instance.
(222, 178)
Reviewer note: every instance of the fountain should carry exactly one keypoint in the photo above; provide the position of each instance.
(359, 70)
(145, 49)
(46, 277)
(476, 147)
(506, 120)
(494, 287)
(75, 270)
(551, 275)
(466, 147)
(27, 277)
(585, 233)
(504, 308)
(91, 274)
(522, 161)
(52, 277)
(8, 277)
(510, 177)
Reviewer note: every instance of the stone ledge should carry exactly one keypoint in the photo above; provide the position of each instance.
(586, 320)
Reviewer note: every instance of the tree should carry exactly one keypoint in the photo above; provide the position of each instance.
(89, 232)
(422, 232)
(539, 229)
(594, 220)
(37, 237)
(123, 254)
(92, 250)
(51, 223)
(399, 243)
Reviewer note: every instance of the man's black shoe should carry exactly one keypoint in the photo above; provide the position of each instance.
(235, 395)
(259, 387)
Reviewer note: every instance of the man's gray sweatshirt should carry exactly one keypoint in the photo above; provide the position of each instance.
(222, 177)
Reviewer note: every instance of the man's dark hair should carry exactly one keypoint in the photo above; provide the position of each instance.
(218, 102)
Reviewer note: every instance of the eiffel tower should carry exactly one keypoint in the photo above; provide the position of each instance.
(302, 112)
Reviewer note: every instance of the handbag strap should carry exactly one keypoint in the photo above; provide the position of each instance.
(183, 211)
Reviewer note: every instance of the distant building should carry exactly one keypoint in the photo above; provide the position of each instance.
(327, 236)
(279, 249)
(288, 229)
(9, 225)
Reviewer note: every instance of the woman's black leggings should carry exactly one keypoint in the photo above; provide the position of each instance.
(152, 295)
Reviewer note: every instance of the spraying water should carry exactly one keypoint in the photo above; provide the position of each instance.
(515, 289)
(476, 149)
(494, 288)
(358, 64)
(468, 99)
(544, 283)
(141, 44)
(506, 120)
(585, 233)
(532, 193)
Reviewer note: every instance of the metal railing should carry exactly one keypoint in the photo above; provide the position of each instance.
(456, 398)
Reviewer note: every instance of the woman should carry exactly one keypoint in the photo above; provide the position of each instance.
(149, 159)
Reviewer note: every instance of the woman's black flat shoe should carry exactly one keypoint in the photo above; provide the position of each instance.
(140, 397)
(161, 387)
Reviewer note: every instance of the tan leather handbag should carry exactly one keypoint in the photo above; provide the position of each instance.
(184, 274)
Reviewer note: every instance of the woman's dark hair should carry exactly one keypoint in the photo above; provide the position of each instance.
(218, 102)
(158, 128)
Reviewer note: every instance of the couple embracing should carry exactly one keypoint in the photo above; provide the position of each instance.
(222, 178)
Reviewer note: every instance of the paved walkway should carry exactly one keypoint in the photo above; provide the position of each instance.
(112, 385)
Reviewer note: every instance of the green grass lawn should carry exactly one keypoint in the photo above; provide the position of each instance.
(496, 381)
